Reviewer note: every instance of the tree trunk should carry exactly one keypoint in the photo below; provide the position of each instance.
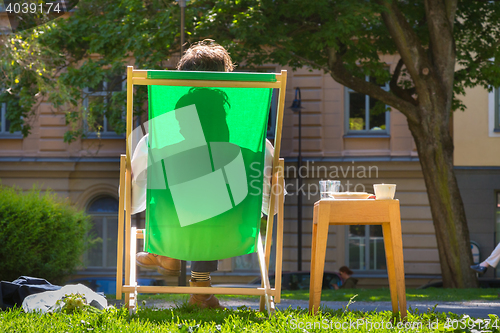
(435, 150)
(427, 107)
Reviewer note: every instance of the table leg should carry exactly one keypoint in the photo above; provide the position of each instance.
(319, 254)
(391, 272)
(397, 243)
(313, 257)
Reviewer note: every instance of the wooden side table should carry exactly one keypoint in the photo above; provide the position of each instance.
(359, 212)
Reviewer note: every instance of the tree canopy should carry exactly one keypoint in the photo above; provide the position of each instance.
(58, 60)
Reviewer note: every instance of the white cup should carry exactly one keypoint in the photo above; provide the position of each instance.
(384, 191)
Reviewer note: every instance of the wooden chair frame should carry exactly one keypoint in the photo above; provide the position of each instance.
(127, 244)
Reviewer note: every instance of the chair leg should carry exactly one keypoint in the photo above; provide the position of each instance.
(128, 226)
(271, 306)
(267, 302)
(279, 236)
(133, 268)
(265, 299)
(119, 241)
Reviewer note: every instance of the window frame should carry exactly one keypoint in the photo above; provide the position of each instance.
(367, 259)
(271, 129)
(106, 218)
(4, 132)
(497, 228)
(365, 132)
(104, 134)
(493, 112)
(496, 110)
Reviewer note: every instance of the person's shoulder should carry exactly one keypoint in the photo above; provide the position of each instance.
(144, 139)
(269, 147)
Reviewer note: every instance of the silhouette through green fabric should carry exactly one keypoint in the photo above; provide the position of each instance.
(205, 171)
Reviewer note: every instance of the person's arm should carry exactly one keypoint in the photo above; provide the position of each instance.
(268, 174)
(139, 164)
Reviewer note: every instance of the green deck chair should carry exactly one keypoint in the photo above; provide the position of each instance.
(205, 166)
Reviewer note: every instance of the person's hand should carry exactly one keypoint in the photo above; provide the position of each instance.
(335, 287)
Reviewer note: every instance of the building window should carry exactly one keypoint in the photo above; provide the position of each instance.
(273, 112)
(497, 110)
(103, 236)
(365, 248)
(5, 123)
(96, 100)
(361, 116)
(497, 229)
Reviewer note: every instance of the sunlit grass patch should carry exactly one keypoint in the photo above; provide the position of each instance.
(384, 295)
(185, 318)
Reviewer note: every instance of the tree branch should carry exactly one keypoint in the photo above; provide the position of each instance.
(405, 94)
(344, 77)
(408, 44)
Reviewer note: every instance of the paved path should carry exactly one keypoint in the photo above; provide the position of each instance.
(475, 309)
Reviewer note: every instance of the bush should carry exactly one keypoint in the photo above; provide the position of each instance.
(40, 235)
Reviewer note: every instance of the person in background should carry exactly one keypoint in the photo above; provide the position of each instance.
(492, 261)
(349, 281)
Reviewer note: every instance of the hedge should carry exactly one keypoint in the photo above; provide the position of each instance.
(40, 235)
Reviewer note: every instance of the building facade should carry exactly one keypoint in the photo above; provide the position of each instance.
(341, 139)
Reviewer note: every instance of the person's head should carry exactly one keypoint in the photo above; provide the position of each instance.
(212, 116)
(206, 55)
(345, 272)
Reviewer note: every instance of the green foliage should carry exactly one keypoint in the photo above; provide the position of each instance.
(302, 33)
(58, 60)
(40, 236)
(26, 66)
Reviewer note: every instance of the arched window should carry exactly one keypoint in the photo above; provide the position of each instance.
(104, 233)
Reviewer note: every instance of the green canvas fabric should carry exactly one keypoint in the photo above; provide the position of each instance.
(205, 171)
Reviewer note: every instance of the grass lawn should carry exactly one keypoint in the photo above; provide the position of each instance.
(365, 295)
(189, 319)
(183, 318)
(383, 294)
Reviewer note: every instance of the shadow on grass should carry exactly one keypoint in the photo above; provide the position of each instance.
(185, 312)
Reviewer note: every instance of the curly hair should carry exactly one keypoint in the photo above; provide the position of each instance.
(206, 55)
(346, 270)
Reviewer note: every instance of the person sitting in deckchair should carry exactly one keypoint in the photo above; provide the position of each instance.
(203, 56)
